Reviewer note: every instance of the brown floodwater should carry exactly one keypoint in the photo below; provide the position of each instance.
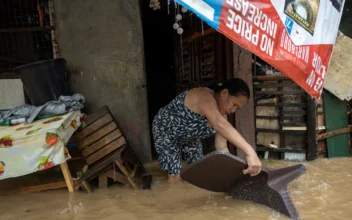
(324, 192)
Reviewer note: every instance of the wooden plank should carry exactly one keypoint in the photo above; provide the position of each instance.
(116, 176)
(293, 124)
(270, 78)
(267, 117)
(290, 132)
(103, 182)
(294, 113)
(67, 176)
(282, 150)
(254, 71)
(93, 171)
(285, 117)
(106, 150)
(98, 135)
(336, 118)
(334, 133)
(93, 127)
(101, 143)
(283, 104)
(96, 115)
(87, 186)
(283, 92)
(36, 188)
(291, 128)
(276, 85)
(124, 171)
(321, 149)
(281, 119)
(133, 173)
(229, 75)
(320, 118)
(245, 122)
(311, 129)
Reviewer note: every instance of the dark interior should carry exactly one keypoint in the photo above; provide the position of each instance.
(159, 58)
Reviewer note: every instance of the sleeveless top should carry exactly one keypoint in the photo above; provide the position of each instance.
(178, 123)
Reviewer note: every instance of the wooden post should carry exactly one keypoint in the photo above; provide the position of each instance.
(245, 122)
(311, 129)
(87, 186)
(67, 176)
(229, 75)
(103, 182)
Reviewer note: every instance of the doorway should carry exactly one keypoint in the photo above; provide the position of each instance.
(159, 56)
(174, 63)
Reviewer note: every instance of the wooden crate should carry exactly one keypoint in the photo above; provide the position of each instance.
(106, 152)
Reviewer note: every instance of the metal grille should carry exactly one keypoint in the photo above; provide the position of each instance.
(23, 13)
(25, 34)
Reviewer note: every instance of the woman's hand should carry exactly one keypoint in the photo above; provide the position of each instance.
(254, 165)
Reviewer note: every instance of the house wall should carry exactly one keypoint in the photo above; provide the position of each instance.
(102, 42)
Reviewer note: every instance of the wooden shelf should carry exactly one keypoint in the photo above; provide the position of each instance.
(282, 150)
(287, 132)
(283, 104)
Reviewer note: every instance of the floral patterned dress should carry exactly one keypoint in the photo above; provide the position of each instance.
(178, 131)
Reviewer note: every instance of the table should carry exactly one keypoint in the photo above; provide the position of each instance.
(29, 148)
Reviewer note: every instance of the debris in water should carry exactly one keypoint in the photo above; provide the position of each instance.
(71, 209)
(274, 216)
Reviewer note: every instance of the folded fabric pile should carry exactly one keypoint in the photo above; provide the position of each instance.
(61, 106)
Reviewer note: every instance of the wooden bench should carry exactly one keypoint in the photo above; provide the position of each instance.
(106, 152)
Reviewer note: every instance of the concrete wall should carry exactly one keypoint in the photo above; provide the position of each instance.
(11, 93)
(103, 44)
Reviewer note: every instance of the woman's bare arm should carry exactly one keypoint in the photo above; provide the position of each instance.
(220, 143)
(208, 107)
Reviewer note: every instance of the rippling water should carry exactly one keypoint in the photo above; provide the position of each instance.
(324, 192)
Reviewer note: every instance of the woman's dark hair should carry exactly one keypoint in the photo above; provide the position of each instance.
(235, 86)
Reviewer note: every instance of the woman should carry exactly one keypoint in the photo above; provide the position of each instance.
(197, 114)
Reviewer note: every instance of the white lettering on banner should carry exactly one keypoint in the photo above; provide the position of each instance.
(319, 68)
(319, 84)
(241, 23)
(301, 52)
(255, 15)
(267, 45)
(242, 27)
(311, 79)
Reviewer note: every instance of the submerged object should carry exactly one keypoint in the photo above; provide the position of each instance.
(222, 172)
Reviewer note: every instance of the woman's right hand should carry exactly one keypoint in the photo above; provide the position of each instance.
(254, 165)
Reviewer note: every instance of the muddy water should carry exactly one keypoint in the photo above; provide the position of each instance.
(324, 192)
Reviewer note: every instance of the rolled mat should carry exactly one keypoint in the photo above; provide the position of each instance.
(222, 172)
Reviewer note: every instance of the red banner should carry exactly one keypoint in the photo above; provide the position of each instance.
(294, 36)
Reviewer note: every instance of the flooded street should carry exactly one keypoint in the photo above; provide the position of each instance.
(324, 192)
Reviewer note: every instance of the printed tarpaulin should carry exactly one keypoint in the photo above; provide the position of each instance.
(294, 36)
(29, 148)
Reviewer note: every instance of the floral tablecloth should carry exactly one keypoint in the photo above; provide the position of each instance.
(25, 149)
